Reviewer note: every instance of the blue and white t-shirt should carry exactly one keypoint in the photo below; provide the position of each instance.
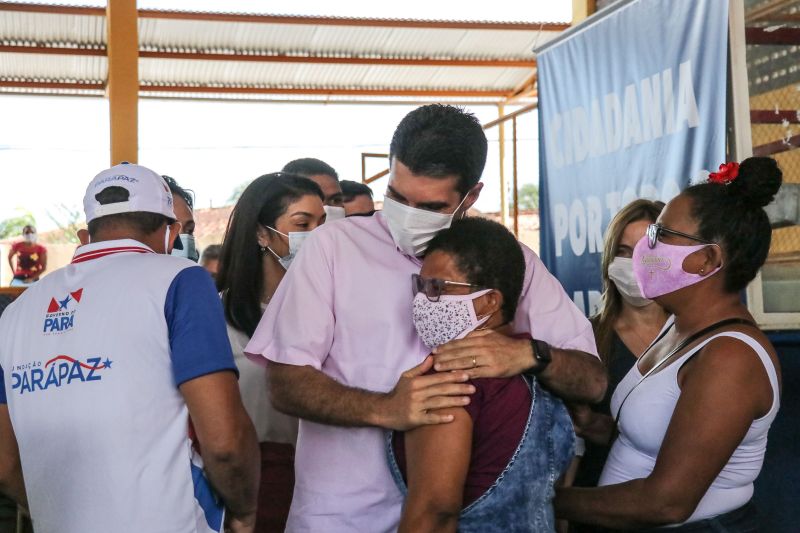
(92, 357)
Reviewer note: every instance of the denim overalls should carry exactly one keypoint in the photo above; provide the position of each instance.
(521, 498)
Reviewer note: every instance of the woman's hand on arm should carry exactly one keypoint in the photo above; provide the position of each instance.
(723, 391)
(437, 459)
(597, 428)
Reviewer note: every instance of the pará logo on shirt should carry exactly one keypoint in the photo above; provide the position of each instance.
(57, 372)
(60, 315)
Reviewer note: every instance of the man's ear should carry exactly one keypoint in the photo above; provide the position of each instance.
(83, 236)
(174, 231)
(489, 304)
(472, 197)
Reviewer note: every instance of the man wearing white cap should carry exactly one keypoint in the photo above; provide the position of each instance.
(104, 362)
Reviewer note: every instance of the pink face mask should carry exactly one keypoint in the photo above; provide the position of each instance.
(659, 270)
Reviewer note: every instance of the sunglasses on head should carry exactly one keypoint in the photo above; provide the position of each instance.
(433, 287)
(655, 230)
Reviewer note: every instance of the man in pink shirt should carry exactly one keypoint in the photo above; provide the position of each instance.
(339, 335)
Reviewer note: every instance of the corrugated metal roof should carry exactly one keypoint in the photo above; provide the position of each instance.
(437, 56)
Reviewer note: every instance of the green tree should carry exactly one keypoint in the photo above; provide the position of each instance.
(12, 227)
(68, 221)
(237, 192)
(528, 197)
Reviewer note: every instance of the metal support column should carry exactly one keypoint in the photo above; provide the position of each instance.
(514, 179)
(581, 9)
(123, 79)
(502, 145)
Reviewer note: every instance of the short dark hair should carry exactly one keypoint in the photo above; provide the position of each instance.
(733, 216)
(351, 189)
(211, 252)
(441, 140)
(139, 221)
(309, 166)
(488, 255)
(177, 190)
(240, 277)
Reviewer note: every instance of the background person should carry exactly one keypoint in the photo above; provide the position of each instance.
(326, 177)
(210, 259)
(356, 198)
(96, 407)
(272, 212)
(672, 462)
(460, 476)
(184, 211)
(625, 326)
(27, 258)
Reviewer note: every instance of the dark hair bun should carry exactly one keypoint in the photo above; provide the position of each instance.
(758, 182)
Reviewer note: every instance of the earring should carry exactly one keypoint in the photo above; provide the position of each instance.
(263, 249)
(702, 270)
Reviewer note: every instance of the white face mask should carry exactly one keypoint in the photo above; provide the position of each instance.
(620, 271)
(452, 317)
(411, 228)
(333, 212)
(296, 239)
(30, 238)
(189, 249)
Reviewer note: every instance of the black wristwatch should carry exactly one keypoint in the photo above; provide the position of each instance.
(542, 356)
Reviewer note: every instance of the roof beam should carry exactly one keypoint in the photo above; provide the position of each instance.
(279, 58)
(31, 84)
(300, 20)
(348, 21)
(54, 9)
(320, 91)
(52, 50)
(442, 93)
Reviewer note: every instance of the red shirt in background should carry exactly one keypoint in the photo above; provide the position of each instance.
(30, 259)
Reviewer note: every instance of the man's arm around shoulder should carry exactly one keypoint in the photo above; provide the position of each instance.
(308, 393)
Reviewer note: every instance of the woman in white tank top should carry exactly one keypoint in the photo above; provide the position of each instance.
(693, 414)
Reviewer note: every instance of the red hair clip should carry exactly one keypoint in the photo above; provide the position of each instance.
(727, 173)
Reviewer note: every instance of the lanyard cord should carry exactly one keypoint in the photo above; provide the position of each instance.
(686, 342)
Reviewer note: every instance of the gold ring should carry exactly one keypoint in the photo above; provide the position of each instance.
(474, 362)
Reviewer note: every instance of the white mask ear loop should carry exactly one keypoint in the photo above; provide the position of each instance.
(464, 214)
(273, 251)
(166, 239)
(482, 321)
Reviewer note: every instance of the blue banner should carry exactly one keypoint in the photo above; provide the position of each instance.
(630, 105)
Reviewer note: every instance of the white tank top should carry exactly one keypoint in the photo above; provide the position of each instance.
(647, 414)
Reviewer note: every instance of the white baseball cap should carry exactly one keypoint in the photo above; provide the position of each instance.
(148, 192)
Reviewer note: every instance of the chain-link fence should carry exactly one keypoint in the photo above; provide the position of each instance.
(772, 31)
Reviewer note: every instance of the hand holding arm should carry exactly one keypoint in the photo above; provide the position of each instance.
(597, 428)
(307, 393)
(572, 375)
